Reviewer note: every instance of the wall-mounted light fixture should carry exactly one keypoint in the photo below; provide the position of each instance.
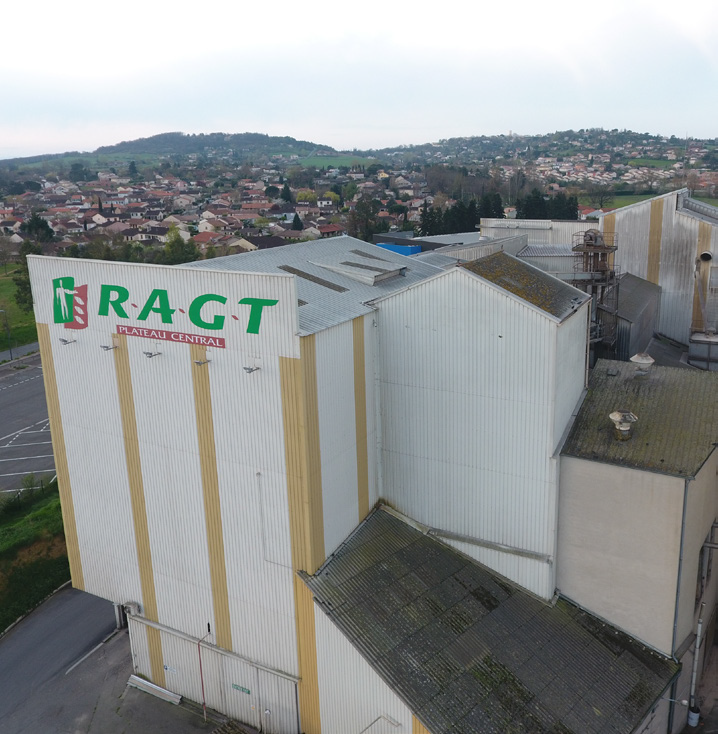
(249, 370)
(65, 342)
(107, 347)
(149, 355)
(200, 362)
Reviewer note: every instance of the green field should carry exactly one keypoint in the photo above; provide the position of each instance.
(93, 161)
(620, 201)
(21, 324)
(334, 161)
(33, 559)
(651, 162)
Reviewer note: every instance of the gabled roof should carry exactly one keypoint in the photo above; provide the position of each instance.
(677, 410)
(530, 284)
(469, 652)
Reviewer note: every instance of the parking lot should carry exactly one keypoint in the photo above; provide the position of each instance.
(25, 445)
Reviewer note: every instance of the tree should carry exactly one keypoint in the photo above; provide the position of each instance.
(37, 228)
(271, 192)
(286, 194)
(307, 196)
(78, 172)
(532, 206)
(132, 171)
(21, 279)
(176, 250)
(599, 195)
(6, 250)
(297, 223)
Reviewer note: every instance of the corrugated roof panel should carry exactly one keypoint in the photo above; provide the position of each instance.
(551, 295)
(677, 414)
(469, 652)
(326, 307)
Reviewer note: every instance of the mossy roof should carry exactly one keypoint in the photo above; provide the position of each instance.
(468, 652)
(540, 289)
(677, 411)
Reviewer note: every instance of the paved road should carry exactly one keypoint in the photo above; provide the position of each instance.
(46, 644)
(46, 687)
(25, 444)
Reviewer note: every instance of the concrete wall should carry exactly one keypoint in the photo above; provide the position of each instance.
(618, 546)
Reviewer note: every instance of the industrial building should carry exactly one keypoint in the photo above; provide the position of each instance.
(331, 472)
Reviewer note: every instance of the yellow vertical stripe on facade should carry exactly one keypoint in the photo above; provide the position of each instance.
(300, 412)
(655, 233)
(308, 687)
(360, 417)
(61, 465)
(137, 500)
(210, 493)
(417, 727)
(703, 245)
(313, 485)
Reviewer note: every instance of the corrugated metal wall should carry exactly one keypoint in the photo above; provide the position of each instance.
(539, 231)
(236, 687)
(352, 695)
(337, 434)
(468, 418)
(190, 455)
(660, 244)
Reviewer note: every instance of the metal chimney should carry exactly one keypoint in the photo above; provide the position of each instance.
(623, 421)
(643, 363)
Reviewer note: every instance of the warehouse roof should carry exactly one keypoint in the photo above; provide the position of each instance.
(677, 412)
(469, 652)
(335, 277)
(530, 284)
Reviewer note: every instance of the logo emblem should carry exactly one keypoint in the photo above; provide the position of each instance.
(70, 303)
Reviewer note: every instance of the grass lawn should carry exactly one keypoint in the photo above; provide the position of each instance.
(334, 161)
(22, 324)
(33, 558)
(651, 162)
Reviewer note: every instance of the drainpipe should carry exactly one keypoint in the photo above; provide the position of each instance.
(671, 705)
(694, 672)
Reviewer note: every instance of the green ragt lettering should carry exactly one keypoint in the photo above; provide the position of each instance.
(195, 309)
(106, 300)
(255, 314)
(158, 302)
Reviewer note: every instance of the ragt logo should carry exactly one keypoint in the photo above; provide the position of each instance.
(70, 303)
(70, 307)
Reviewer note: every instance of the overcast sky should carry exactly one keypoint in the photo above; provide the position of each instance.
(353, 75)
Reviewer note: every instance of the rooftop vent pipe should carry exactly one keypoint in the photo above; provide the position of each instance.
(623, 421)
(643, 363)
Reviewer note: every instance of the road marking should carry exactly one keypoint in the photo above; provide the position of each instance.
(16, 445)
(15, 384)
(25, 430)
(30, 458)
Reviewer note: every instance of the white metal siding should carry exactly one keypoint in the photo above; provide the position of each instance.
(92, 428)
(233, 686)
(571, 343)
(467, 394)
(539, 231)
(248, 428)
(337, 433)
(167, 436)
(351, 693)
(249, 440)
